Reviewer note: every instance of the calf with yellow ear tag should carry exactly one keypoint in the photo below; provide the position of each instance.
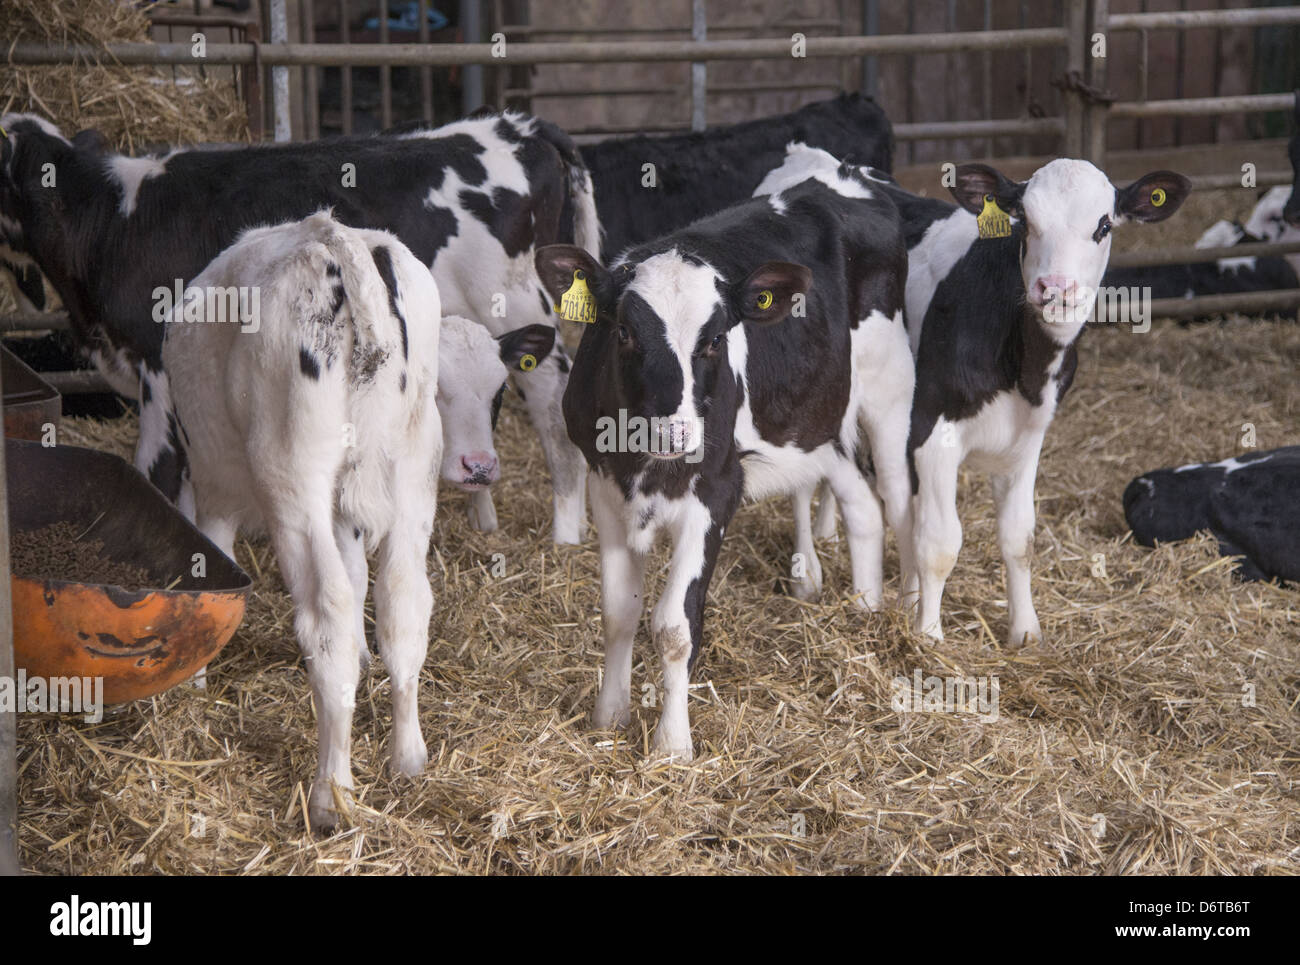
(727, 360)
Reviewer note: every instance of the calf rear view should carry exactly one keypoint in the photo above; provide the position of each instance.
(318, 422)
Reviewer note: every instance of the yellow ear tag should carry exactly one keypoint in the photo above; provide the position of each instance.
(577, 304)
(765, 300)
(1158, 197)
(993, 221)
(528, 363)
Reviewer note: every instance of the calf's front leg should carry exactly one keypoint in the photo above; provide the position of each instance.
(1013, 495)
(678, 625)
(622, 575)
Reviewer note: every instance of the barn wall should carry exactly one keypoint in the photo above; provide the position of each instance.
(923, 87)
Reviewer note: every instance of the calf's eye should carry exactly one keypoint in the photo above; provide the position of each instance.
(624, 335)
(1103, 229)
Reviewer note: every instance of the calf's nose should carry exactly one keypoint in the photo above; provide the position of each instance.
(1049, 288)
(480, 467)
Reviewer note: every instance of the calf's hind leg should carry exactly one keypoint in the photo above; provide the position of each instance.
(302, 533)
(806, 568)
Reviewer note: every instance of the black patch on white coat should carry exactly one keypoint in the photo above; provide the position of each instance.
(308, 364)
(384, 263)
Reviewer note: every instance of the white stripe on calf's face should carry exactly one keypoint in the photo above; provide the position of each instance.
(684, 297)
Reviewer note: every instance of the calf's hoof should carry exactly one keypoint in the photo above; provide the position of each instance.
(610, 715)
(671, 749)
(323, 808)
(1030, 635)
(806, 590)
(410, 759)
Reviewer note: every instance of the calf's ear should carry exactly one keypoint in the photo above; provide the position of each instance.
(1153, 197)
(557, 264)
(974, 181)
(771, 291)
(524, 348)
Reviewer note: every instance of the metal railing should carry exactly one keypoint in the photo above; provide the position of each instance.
(1081, 127)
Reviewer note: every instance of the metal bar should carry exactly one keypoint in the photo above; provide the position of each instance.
(471, 94)
(386, 72)
(1027, 63)
(444, 55)
(1098, 113)
(665, 91)
(345, 78)
(1215, 182)
(252, 76)
(1191, 19)
(1236, 104)
(35, 322)
(525, 30)
(311, 74)
(1242, 302)
(9, 865)
(182, 18)
(1188, 256)
(280, 75)
(426, 72)
(1076, 24)
(78, 382)
(939, 130)
(870, 27)
(986, 78)
(699, 70)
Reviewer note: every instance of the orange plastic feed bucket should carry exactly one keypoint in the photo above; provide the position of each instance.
(140, 641)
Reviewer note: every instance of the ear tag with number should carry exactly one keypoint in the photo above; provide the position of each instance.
(578, 304)
(993, 221)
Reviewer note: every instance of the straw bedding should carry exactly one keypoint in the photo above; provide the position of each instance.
(1156, 731)
(1122, 746)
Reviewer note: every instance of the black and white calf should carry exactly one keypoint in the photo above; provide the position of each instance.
(1248, 502)
(702, 172)
(473, 368)
(888, 379)
(993, 323)
(743, 342)
(117, 235)
(319, 424)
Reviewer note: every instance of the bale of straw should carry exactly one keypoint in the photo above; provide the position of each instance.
(134, 107)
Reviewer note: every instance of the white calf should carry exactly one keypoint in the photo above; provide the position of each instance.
(317, 420)
(472, 370)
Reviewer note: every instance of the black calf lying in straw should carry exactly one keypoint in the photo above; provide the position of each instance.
(1248, 502)
(743, 341)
